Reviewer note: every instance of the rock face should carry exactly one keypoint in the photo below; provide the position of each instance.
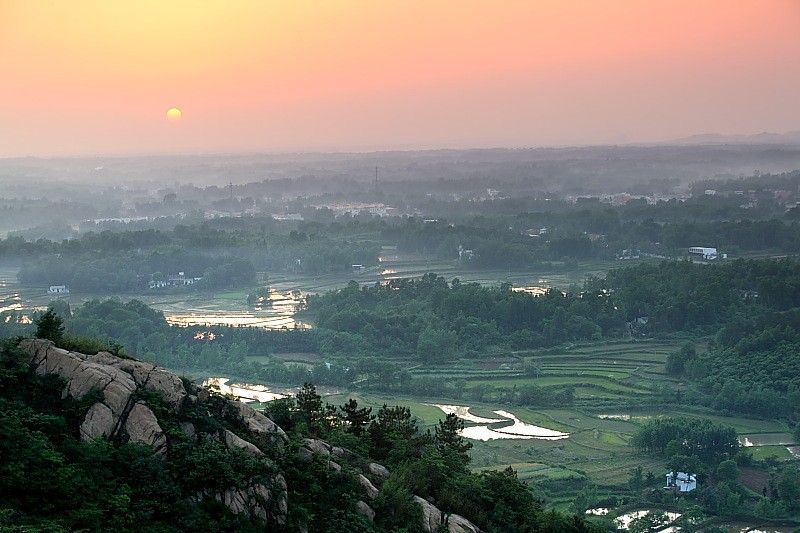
(143, 428)
(84, 374)
(365, 510)
(118, 414)
(432, 518)
(378, 472)
(256, 500)
(234, 441)
(266, 432)
(369, 488)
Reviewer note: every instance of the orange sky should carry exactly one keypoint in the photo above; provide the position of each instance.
(96, 77)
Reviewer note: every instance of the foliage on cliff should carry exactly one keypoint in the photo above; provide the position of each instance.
(52, 479)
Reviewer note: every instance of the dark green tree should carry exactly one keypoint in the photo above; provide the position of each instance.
(448, 437)
(50, 326)
(309, 403)
(789, 487)
(356, 418)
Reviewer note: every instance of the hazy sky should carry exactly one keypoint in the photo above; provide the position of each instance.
(97, 77)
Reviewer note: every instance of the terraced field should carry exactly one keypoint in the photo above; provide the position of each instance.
(609, 381)
(600, 375)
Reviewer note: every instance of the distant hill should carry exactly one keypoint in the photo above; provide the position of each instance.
(791, 137)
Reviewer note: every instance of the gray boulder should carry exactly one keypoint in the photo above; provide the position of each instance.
(317, 446)
(143, 428)
(266, 432)
(365, 510)
(432, 519)
(232, 440)
(376, 472)
(369, 488)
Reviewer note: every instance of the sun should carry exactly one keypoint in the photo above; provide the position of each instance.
(174, 114)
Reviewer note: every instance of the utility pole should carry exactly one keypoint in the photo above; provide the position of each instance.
(230, 205)
(376, 179)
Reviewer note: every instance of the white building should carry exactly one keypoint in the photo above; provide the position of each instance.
(58, 289)
(702, 251)
(682, 481)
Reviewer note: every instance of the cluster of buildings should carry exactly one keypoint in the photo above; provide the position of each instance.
(356, 208)
(173, 280)
(702, 252)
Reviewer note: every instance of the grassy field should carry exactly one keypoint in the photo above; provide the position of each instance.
(610, 379)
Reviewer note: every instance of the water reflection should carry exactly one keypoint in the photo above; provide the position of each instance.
(534, 290)
(516, 430)
(462, 411)
(244, 392)
(275, 310)
(521, 428)
(241, 320)
(766, 439)
(624, 521)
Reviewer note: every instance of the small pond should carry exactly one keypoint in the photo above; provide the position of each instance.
(245, 392)
(506, 427)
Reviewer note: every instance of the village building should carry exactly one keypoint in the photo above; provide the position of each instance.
(704, 252)
(681, 481)
(58, 289)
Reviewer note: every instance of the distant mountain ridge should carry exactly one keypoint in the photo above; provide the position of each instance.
(765, 137)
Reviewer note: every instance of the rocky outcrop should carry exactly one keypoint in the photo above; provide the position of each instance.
(84, 374)
(365, 510)
(256, 500)
(143, 428)
(234, 441)
(370, 489)
(119, 413)
(266, 433)
(376, 472)
(432, 518)
(121, 410)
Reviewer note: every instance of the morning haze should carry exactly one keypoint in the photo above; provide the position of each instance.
(400, 267)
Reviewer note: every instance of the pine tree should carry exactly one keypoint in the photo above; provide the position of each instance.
(50, 326)
(309, 403)
(357, 418)
(448, 436)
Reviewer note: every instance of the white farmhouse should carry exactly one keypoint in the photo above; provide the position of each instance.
(704, 252)
(682, 481)
(58, 289)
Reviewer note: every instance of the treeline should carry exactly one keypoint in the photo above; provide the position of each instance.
(432, 320)
(751, 369)
(709, 441)
(124, 261)
(601, 232)
(133, 271)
